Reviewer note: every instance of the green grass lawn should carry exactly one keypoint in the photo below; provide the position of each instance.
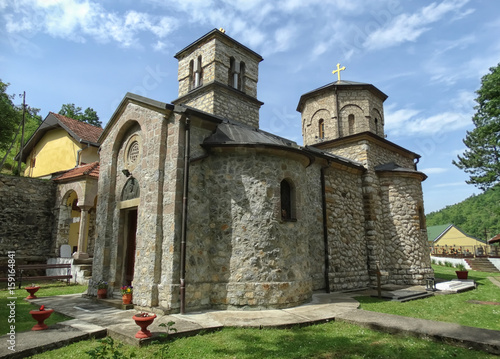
(325, 341)
(23, 320)
(449, 308)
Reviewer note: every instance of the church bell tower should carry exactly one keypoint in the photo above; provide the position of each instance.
(219, 75)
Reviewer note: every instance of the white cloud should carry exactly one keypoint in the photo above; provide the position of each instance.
(410, 122)
(396, 121)
(451, 184)
(408, 27)
(434, 170)
(77, 20)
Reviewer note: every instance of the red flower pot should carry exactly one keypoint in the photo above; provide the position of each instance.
(32, 291)
(127, 298)
(462, 274)
(144, 322)
(40, 316)
(102, 293)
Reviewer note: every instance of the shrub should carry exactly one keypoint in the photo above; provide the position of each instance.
(461, 267)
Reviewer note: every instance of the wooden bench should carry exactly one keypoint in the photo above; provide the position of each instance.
(21, 268)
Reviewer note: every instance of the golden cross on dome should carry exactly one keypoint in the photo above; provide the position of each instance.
(338, 70)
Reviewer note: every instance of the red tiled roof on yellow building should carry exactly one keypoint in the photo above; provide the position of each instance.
(90, 169)
(83, 130)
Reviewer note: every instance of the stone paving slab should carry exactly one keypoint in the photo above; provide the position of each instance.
(463, 336)
(495, 281)
(456, 285)
(56, 336)
(95, 319)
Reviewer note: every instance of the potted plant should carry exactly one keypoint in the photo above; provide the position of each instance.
(462, 272)
(32, 289)
(127, 294)
(102, 289)
(144, 320)
(40, 315)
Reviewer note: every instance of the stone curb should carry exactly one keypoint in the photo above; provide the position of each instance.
(56, 336)
(462, 336)
(494, 281)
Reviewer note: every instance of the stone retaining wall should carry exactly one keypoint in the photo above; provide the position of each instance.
(27, 218)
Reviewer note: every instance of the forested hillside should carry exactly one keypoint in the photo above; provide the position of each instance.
(478, 215)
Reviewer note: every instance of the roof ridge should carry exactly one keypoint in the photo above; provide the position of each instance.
(92, 166)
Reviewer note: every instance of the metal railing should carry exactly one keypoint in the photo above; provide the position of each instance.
(465, 251)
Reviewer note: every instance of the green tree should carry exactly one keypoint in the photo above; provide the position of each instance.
(481, 159)
(89, 115)
(9, 119)
(10, 129)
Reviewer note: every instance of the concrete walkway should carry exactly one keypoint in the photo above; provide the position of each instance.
(95, 319)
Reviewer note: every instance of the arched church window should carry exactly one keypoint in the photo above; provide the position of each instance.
(198, 73)
(376, 126)
(132, 153)
(236, 76)
(321, 126)
(287, 200)
(191, 74)
(350, 123)
(241, 82)
(230, 76)
(195, 73)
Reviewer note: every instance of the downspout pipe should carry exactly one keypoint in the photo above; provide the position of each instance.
(325, 229)
(185, 192)
(78, 154)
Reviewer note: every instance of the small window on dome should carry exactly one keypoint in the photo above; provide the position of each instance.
(321, 126)
(350, 123)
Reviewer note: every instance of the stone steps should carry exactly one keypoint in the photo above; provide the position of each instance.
(83, 272)
(482, 264)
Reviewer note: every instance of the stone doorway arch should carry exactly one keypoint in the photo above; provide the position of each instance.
(77, 193)
(130, 198)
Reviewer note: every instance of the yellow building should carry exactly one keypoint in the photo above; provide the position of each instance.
(65, 150)
(59, 144)
(448, 239)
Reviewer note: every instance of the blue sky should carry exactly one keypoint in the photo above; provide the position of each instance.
(427, 56)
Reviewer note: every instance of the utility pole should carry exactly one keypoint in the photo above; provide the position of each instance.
(22, 135)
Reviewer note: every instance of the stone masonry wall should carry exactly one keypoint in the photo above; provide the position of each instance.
(240, 252)
(215, 94)
(216, 54)
(236, 107)
(346, 230)
(405, 244)
(361, 103)
(387, 238)
(27, 218)
(371, 155)
(150, 127)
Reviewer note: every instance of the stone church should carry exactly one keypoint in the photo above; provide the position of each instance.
(198, 208)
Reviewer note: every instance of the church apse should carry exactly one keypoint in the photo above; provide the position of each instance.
(243, 252)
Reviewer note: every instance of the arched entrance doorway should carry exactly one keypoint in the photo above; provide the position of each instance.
(131, 218)
(129, 206)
